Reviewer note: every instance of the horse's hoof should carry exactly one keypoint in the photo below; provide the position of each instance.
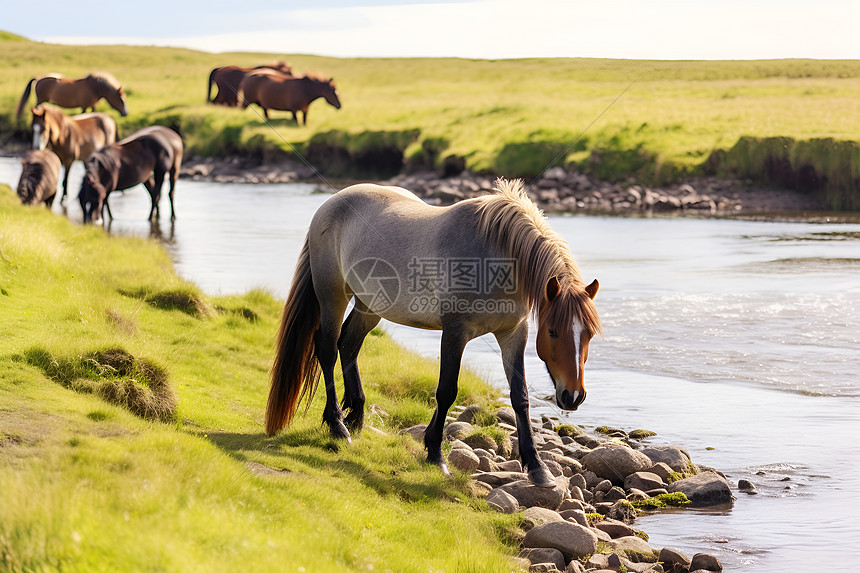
(339, 432)
(443, 467)
(542, 477)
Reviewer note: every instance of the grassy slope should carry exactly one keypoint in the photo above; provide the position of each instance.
(88, 486)
(508, 116)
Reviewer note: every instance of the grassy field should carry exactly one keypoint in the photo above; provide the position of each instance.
(653, 120)
(131, 429)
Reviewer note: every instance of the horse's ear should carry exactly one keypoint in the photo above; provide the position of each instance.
(553, 287)
(591, 289)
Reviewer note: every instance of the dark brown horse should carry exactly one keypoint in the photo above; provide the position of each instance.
(71, 138)
(83, 92)
(39, 175)
(228, 79)
(271, 91)
(144, 157)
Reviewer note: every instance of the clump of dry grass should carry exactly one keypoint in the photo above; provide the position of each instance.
(185, 299)
(115, 375)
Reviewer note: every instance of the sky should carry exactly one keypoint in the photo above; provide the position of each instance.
(485, 29)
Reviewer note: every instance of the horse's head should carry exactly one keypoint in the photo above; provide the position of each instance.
(567, 320)
(116, 99)
(330, 93)
(94, 188)
(42, 127)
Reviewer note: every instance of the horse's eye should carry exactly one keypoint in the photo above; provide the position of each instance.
(553, 334)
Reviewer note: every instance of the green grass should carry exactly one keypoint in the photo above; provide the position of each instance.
(89, 482)
(653, 120)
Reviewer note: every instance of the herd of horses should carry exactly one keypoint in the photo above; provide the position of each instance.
(150, 154)
(353, 228)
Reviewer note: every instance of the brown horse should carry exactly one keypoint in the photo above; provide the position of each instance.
(272, 91)
(71, 138)
(144, 157)
(39, 175)
(83, 92)
(228, 79)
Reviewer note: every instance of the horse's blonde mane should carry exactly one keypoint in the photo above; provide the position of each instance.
(510, 220)
(106, 79)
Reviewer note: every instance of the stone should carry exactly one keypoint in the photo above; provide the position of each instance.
(615, 462)
(459, 444)
(485, 464)
(614, 528)
(620, 510)
(554, 468)
(634, 494)
(510, 466)
(635, 549)
(543, 568)
(704, 489)
(597, 561)
(575, 515)
(673, 456)
(747, 487)
(579, 481)
(705, 562)
(574, 567)
(457, 430)
(502, 501)
(674, 561)
(544, 555)
(534, 516)
(576, 493)
(603, 486)
(497, 479)
(478, 488)
(570, 504)
(530, 495)
(506, 415)
(615, 494)
(482, 441)
(663, 470)
(469, 413)
(416, 432)
(643, 481)
(464, 460)
(573, 540)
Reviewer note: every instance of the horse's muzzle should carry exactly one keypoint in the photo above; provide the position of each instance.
(571, 401)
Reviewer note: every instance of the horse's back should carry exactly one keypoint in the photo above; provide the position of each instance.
(99, 128)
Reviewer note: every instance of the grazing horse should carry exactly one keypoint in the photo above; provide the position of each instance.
(39, 175)
(83, 92)
(71, 138)
(144, 157)
(228, 79)
(479, 266)
(275, 91)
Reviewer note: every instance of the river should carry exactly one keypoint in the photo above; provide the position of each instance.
(738, 340)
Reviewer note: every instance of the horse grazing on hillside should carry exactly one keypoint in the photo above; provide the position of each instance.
(39, 176)
(144, 157)
(83, 92)
(479, 266)
(228, 78)
(71, 138)
(271, 91)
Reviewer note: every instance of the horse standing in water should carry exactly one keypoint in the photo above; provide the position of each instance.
(83, 92)
(228, 78)
(276, 91)
(145, 157)
(366, 238)
(71, 138)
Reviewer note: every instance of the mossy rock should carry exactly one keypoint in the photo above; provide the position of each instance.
(568, 430)
(641, 434)
(676, 499)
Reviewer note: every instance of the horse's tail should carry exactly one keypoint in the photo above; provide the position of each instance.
(295, 373)
(23, 101)
(211, 81)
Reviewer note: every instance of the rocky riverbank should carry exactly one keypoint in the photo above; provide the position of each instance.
(556, 191)
(605, 477)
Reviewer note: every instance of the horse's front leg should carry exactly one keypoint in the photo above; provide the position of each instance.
(66, 169)
(150, 187)
(513, 346)
(453, 343)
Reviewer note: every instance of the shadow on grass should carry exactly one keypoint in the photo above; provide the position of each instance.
(314, 448)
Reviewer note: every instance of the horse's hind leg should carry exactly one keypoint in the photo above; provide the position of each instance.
(173, 173)
(325, 345)
(359, 322)
(453, 343)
